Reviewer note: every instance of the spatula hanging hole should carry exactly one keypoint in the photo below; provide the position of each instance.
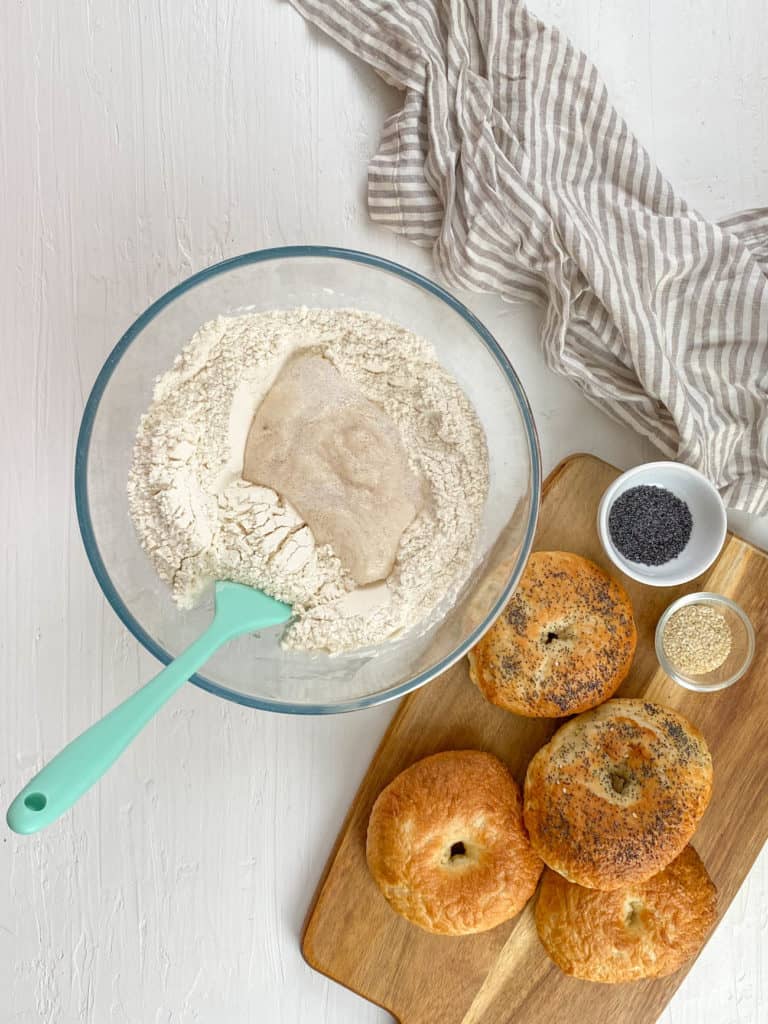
(458, 850)
(35, 801)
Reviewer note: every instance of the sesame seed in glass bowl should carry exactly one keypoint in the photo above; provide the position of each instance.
(705, 642)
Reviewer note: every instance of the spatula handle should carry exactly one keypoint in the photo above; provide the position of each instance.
(83, 761)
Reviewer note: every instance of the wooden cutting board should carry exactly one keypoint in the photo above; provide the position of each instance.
(503, 975)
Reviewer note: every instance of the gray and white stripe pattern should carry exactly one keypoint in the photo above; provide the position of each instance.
(508, 160)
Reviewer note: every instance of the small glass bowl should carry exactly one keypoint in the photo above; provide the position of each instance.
(742, 644)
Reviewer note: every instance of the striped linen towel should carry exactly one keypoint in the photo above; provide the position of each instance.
(509, 161)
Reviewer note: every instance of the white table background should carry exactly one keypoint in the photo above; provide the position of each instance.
(140, 142)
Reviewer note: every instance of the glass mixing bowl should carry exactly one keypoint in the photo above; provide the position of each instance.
(255, 670)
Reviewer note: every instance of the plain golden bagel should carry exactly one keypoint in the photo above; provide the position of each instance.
(563, 644)
(646, 931)
(617, 793)
(447, 846)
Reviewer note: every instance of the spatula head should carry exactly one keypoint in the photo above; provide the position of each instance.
(246, 608)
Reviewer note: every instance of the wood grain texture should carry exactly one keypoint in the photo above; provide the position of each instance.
(140, 142)
(355, 937)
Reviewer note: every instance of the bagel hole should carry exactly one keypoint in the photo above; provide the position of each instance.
(457, 850)
(632, 916)
(559, 632)
(620, 780)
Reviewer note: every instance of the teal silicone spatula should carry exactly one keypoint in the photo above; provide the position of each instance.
(81, 763)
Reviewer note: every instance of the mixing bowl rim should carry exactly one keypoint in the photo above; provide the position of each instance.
(86, 430)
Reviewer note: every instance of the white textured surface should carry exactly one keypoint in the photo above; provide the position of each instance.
(140, 142)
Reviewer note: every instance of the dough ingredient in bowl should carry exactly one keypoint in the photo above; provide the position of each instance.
(339, 460)
(199, 520)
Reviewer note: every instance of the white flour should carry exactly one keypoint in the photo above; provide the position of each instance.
(199, 521)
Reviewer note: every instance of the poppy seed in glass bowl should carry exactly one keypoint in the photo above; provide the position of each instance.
(649, 525)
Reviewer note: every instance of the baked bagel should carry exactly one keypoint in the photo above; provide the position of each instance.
(646, 931)
(563, 644)
(617, 793)
(447, 846)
